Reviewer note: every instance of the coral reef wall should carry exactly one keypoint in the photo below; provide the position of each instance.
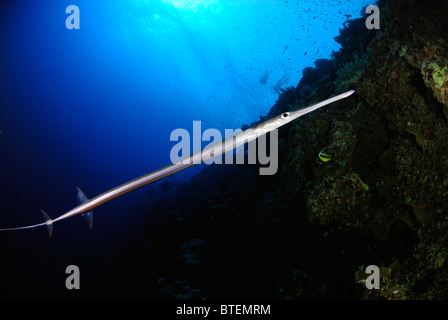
(309, 231)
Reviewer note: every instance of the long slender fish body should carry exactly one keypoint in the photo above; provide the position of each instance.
(213, 150)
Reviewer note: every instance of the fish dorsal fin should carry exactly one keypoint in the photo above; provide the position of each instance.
(88, 216)
(81, 196)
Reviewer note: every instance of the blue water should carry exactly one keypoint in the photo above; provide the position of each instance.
(95, 107)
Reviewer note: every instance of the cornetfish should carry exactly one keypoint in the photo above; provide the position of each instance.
(213, 150)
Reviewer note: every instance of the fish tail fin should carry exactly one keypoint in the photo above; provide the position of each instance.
(88, 216)
(48, 222)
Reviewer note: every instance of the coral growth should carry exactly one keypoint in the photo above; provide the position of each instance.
(349, 74)
(436, 77)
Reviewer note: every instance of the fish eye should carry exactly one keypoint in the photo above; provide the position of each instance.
(285, 115)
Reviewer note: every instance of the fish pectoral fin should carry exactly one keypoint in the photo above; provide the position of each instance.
(49, 223)
(88, 216)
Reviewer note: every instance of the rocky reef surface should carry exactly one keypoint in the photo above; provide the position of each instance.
(309, 231)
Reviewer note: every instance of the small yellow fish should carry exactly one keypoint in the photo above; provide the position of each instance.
(323, 157)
